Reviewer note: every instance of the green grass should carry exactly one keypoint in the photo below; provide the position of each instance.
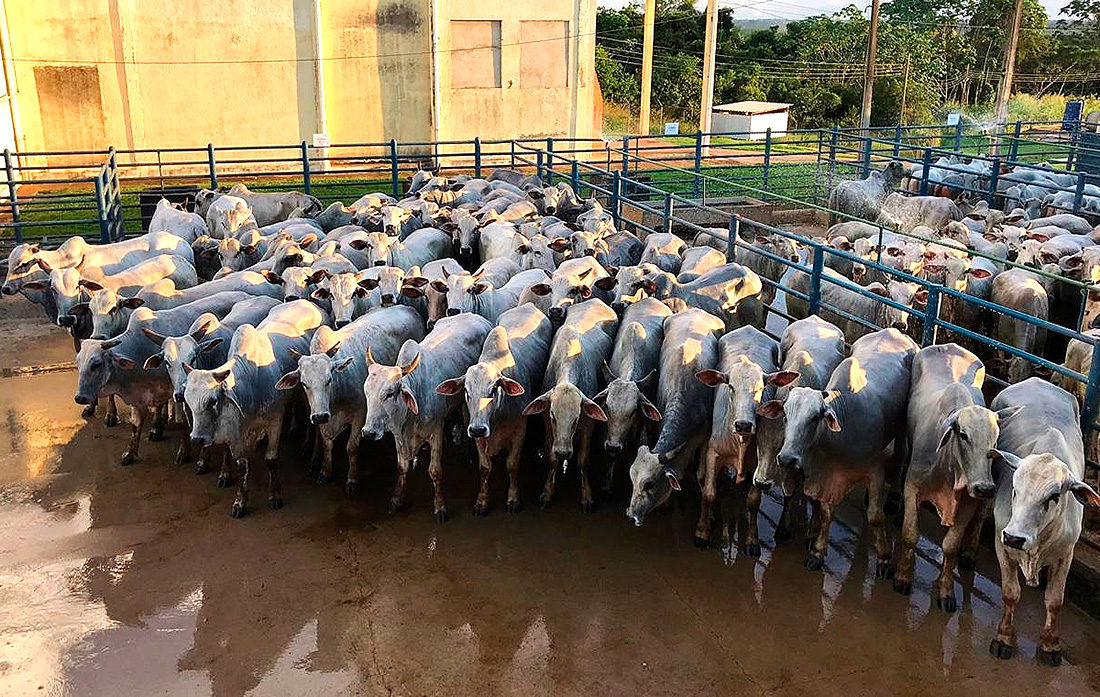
(779, 145)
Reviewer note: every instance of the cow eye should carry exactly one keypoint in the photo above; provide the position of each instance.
(963, 437)
(1052, 499)
(648, 486)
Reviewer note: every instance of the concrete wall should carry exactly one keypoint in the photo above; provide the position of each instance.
(162, 73)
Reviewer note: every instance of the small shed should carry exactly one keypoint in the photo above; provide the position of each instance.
(752, 118)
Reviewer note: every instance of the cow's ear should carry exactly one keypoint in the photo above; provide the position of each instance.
(585, 291)
(1085, 493)
(980, 274)
(673, 480)
(369, 283)
(921, 297)
(318, 276)
(210, 344)
(79, 309)
(540, 288)
(537, 405)
(358, 244)
(39, 285)
(411, 292)
(439, 286)
(772, 409)
(782, 378)
(559, 244)
(415, 281)
(711, 378)
(511, 387)
(320, 294)
(606, 283)
(1008, 413)
(153, 362)
(832, 421)
(90, 285)
(593, 410)
(272, 277)
(478, 288)
(649, 411)
(125, 363)
(132, 303)
(289, 381)
(410, 401)
(451, 387)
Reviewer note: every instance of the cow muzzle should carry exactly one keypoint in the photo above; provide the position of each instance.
(789, 461)
(8, 289)
(371, 434)
(762, 484)
(82, 400)
(319, 419)
(178, 397)
(200, 441)
(618, 306)
(380, 262)
(983, 491)
(65, 320)
(745, 427)
(478, 431)
(1013, 541)
(557, 313)
(387, 299)
(453, 311)
(613, 448)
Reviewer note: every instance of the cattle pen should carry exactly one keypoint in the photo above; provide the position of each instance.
(333, 595)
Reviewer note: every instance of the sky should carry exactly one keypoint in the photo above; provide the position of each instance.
(797, 9)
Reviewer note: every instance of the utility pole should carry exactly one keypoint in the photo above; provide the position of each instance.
(709, 49)
(1004, 87)
(647, 67)
(869, 69)
(904, 91)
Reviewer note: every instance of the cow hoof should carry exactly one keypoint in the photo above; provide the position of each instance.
(322, 479)
(701, 542)
(903, 586)
(395, 506)
(111, 420)
(967, 563)
(809, 544)
(441, 516)
(156, 435)
(544, 503)
(275, 502)
(350, 488)
(88, 411)
(238, 510)
(782, 535)
(182, 457)
(947, 603)
(884, 569)
(604, 496)
(201, 467)
(224, 481)
(1050, 658)
(588, 506)
(752, 550)
(815, 562)
(127, 459)
(513, 507)
(481, 511)
(1001, 650)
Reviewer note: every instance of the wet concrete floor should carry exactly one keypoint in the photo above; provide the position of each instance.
(135, 581)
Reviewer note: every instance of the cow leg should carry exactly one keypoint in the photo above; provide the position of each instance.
(708, 473)
(160, 418)
(752, 532)
(815, 561)
(435, 471)
(137, 422)
(1004, 644)
(609, 479)
(910, 531)
(327, 440)
(585, 441)
(515, 449)
(183, 452)
(405, 454)
(314, 445)
(111, 419)
(240, 503)
(1050, 647)
(485, 467)
(354, 439)
(225, 473)
(551, 462)
(271, 459)
(968, 554)
(952, 542)
(876, 519)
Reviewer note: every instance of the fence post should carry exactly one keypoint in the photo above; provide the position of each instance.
(395, 185)
(100, 206)
(512, 154)
(1014, 149)
(732, 236)
(211, 164)
(926, 162)
(574, 177)
(767, 157)
(833, 141)
(668, 213)
(994, 175)
(866, 168)
(1071, 156)
(1092, 391)
(538, 163)
(958, 134)
(12, 200)
(815, 277)
(1079, 192)
(306, 183)
(118, 222)
(616, 191)
(698, 164)
(931, 315)
(477, 157)
(550, 161)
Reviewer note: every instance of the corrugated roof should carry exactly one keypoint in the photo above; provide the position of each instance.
(751, 107)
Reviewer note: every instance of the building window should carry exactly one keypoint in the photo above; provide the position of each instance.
(543, 54)
(475, 53)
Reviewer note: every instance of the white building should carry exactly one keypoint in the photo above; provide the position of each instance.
(751, 118)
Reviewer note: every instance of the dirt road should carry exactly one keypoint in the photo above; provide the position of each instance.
(135, 581)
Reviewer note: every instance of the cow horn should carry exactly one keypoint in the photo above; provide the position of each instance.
(406, 369)
(370, 357)
(331, 352)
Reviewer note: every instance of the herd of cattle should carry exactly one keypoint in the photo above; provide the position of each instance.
(472, 304)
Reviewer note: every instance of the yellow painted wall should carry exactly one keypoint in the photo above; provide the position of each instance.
(188, 72)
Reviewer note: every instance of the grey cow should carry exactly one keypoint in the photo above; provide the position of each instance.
(581, 347)
(401, 399)
(863, 198)
(332, 375)
(951, 435)
(747, 374)
(1039, 504)
(730, 292)
(511, 364)
(236, 403)
(836, 437)
(690, 345)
